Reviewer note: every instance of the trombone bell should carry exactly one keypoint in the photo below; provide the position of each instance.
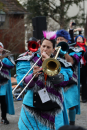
(51, 66)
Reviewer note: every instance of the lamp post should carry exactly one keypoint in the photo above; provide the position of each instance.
(2, 17)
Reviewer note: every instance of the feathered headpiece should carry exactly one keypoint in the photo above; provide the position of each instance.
(63, 33)
(50, 35)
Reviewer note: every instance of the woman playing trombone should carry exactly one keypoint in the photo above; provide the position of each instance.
(43, 105)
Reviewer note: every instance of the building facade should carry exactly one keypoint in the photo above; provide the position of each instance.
(12, 30)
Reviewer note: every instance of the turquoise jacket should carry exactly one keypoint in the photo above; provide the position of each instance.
(6, 89)
(23, 66)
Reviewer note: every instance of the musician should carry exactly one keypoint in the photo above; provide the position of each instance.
(81, 41)
(72, 94)
(26, 57)
(6, 98)
(41, 111)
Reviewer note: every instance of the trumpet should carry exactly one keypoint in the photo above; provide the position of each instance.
(51, 67)
(5, 50)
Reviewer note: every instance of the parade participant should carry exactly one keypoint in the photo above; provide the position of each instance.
(81, 41)
(72, 32)
(63, 36)
(26, 57)
(6, 98)
(52, 113)
(72, 95)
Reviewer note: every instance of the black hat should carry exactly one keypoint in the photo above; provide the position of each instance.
(32, 39)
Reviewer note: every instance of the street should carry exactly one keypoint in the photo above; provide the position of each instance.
(81, 120)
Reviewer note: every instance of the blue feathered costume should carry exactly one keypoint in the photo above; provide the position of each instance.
(5, 84)
(34, 115)
(72, 89)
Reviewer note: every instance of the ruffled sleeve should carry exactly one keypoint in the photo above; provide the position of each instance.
(7, 63)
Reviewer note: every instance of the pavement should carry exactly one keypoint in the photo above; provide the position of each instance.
(13, 119)
(81, 120)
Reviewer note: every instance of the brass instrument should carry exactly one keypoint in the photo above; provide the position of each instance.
(64, 47)
(32, 46)
(51, 66)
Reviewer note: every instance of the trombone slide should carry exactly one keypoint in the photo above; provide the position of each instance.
(26, 75)
(26, 86)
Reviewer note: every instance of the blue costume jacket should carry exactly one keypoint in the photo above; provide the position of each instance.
(72, 89)
(22, 67)
(6, 88)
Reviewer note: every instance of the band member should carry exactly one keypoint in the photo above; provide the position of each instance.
(81, 41)
(26, 57)
(6, 98)
(42, 110)
(72, 94)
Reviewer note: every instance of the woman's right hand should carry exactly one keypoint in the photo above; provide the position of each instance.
(35, 70)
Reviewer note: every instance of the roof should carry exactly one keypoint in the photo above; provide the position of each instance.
(12, 7)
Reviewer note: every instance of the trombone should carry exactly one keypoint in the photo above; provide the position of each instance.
(5, 50)
(6, 54)
(26, 75)
(51, 67)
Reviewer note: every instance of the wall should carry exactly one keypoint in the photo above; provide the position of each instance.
(12, 35)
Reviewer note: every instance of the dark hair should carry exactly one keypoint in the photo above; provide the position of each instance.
(52, 41)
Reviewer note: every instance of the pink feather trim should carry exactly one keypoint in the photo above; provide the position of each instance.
(51, 35)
